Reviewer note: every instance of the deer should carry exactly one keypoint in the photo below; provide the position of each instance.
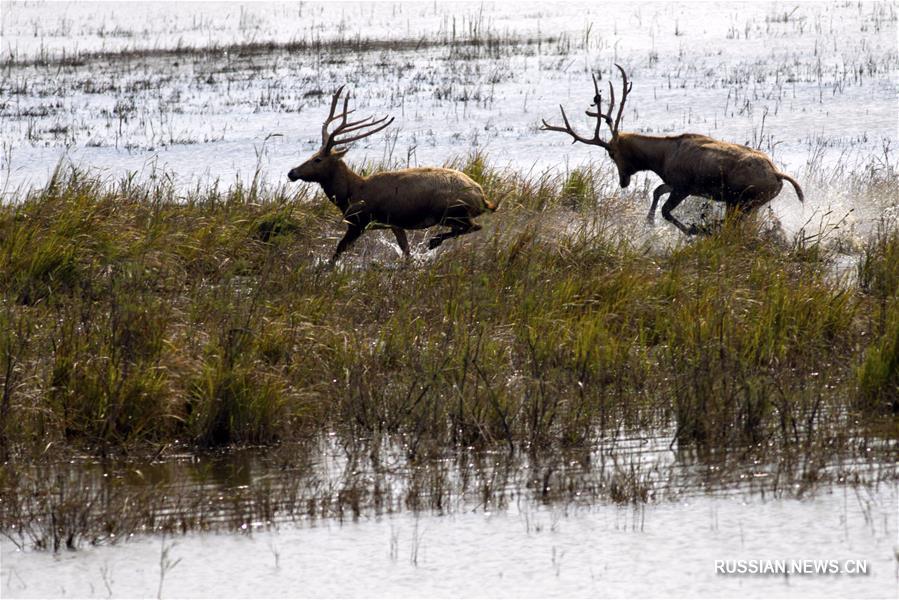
(688, 164)
(413, 198)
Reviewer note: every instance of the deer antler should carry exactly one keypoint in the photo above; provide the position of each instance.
(330, 139)
(595, 140)
(598, 114)
(625, 90)
(597, 99)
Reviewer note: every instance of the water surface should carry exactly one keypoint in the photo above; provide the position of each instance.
(664, 549)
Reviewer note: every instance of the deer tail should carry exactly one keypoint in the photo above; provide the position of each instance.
(795, 185)
(493, 205)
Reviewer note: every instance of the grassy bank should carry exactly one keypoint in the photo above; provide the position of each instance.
(133, 318)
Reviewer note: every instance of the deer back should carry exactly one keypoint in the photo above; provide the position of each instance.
(712, 168)
(423, 196)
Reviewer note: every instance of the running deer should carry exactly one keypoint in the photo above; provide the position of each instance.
(415, 198)
(688, 164)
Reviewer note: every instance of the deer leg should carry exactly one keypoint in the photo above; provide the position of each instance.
(440, 238)
(461, 227)
(352, 233)
(401, 240)
(656, 195)
(673, 201)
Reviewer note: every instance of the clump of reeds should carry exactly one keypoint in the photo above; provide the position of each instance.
(878, 374)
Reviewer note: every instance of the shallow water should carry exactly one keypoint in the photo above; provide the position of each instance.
(631, 516)
(665, 549)
(810, 84)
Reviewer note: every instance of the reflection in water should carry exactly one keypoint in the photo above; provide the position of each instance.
(74, 504)
(528, 549)
(631, 516)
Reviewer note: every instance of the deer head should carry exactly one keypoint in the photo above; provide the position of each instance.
(322, 165)
(612, 146)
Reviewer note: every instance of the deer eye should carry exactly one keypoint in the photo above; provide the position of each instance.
(318, 160)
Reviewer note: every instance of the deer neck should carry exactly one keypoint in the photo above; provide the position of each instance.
(645, 152)
(342, 186)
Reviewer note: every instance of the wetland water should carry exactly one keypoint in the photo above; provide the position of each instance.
(667, 549)
(473, 525)
(172, 92)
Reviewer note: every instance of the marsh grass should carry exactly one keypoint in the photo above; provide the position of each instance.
(139, 322)
(474, 43)
(878, 374)
(135, 316)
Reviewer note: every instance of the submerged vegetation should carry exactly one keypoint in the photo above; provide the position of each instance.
(137, 322)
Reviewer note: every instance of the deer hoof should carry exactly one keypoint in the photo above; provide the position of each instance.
(700, 230)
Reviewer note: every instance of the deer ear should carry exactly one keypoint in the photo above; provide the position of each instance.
(339, 153)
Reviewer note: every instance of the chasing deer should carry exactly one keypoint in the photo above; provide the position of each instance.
(688, 164)
(415, 198)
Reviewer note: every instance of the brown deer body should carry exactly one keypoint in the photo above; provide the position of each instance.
(415, 198)
(688, 164)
